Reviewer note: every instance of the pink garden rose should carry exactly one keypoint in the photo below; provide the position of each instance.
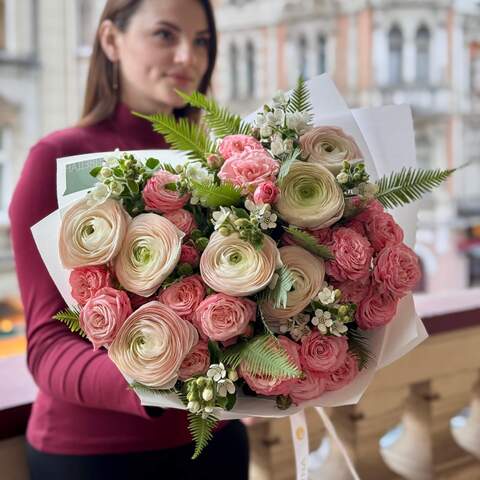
(323, 353)
(376, 309)
(234, 144)
(397, 270)
(184, 296)
(189, 254)
(370, 210)
(312, 386)
(274, 386)
(159, 199)
(86, 281)
(249, 169)
(222, 317)
(266, 192)
(183, 220)
(354, 290)
(343, 375)
(103, 315)
(383, 231)
(353, 255)
(196, 362)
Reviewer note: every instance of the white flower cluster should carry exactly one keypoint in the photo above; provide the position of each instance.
(326, 324)
(262, 214)
(297, 326)
(197, 173)
(328, 294)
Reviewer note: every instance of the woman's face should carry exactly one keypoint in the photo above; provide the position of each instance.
(165, 47)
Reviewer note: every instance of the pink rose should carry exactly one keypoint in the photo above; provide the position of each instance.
(104, 314)
(323, 353)
(264, 385)
(183, 220)
(221, 316)
(357, 225)
(86, 281)
(343, 375)
(266, 192)
(376, 309)
(196, 362)
(383, 231)
(372, 208)
(397, 270)
(354, 290)
(312, 386)
(249, 169)
(353, 255)
(189, 254)
(234, 144)
(159, 199)
(184, 296)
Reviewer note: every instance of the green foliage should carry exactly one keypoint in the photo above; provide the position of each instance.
(262, 355)
(214, 351)
(300, 98)
(220, 121)
(70, 317)
(95, 171)
(279, 294)
(408, 185)
(213, 196)
(201, 430)
(183, 135)
(309, 242)
(358, 346)
(286, 164)
(141, 388)
(167, 167)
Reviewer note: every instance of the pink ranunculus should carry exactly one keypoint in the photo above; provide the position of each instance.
(184, 296)
(354, 290)
(376, 309)
(159, 199)
(308, 388)
(234, 144)
(104, 314)
(249, 169)
(353, 255)
(86, 281)
(266, 192)
(383, 231)
(343, 375)
(273, 386)
(196, 362)
(183, 220)
(189, 254)
(397, 270)
(323, 353)
(222, 317)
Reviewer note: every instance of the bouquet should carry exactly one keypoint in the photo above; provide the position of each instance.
(249, 276)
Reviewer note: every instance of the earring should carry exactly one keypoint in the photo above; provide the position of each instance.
(115, 76)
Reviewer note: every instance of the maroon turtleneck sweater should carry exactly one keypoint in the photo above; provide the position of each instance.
(83, 405)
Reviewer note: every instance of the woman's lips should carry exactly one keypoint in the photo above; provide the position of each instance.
(181, 79)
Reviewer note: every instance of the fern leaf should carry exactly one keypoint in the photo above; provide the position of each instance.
(70, 317)
(358, 346)
(300, 98)
(408, 185)
(182, 135)
(201, 430)
(141, 388)
(279, 294)
(214, 196)
(309, 242)
(220, 121)
(286, 164)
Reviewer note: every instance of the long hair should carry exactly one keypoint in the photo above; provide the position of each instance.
(100, 96)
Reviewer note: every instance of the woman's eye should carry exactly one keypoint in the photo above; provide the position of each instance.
(164, 34)
(202, 41)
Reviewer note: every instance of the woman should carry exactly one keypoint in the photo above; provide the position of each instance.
(86, 423)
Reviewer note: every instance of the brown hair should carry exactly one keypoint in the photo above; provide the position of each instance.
(100, 97)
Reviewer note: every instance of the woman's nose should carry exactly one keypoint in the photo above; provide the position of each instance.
(184, 53)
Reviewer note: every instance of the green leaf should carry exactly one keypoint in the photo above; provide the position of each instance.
(309, 242)
(70, 317)
(241, 213)
(182, 134)
(201, 430)
(215, 352)
(170, 186)
(286, 164)
(152, 163)
(262, 355)
(358, 346)
(95, 171)
(408, 185)
(300, 98)
(214, 196)
(279, 294)
(141, 388)
(133, 186)
(167, 167)
(220, 121)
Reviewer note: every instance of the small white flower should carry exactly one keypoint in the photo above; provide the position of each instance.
(288, 145)
(225, 386)
(220, 217)
(266, 131)
(217, 371)
(197, 173)
(326, 296)
(342, 178)
(111, 159)
(268, 221)
(275, 118)
(338, 328)
(302, 318)
(297, 333)
(98, 195)
(116, 188)
(193, 407)
(277, 147)
(279, 99)
(233, 375)
(260, 120)
(106, 172)
(207, 394)
(194, 200)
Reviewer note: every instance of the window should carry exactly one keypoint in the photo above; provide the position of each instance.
(395, 54)
(424, 152)
(302, 56)
(250, 69)
(233, 71)
(321, 54)
(3, 34)
(422, 41)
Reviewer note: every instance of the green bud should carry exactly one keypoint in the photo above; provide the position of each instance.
(207, 394)
(283, 402)
(233, 375)
(337, 293)
(346, 319)
(201, 243)
(185, 269)
(343, 310)
(225, 231)
(201, 382)
(196, 234)
(106, 172)
(242, 223)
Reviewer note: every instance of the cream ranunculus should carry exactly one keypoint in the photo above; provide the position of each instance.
(310, 197)
(309, 273)
(92, 235)
(150, 252)
(329, 146)
(231, 265)
(152, 344)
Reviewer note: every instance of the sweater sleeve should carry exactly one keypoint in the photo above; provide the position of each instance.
(63, 365)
